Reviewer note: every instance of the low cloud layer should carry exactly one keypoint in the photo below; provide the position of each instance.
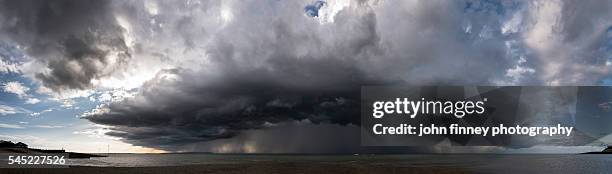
(215, 70)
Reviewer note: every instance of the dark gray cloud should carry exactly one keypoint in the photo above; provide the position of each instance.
(289, 67)
(182, 112)
(76, 40)
(240, 67)
(292, 137)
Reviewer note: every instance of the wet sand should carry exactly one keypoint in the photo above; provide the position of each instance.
(253, 167)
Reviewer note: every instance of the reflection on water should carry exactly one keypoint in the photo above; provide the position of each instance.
(478, 162)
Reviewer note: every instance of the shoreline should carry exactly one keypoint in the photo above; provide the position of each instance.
(32, 151)
(252, 167)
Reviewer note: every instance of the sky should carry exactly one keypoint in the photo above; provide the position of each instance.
(268, 75)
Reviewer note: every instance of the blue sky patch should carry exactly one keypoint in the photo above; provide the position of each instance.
(312, 10)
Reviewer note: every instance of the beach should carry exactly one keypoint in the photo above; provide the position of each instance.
(321, 164)
(252, 167)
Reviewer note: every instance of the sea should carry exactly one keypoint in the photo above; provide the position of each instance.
(486, 163)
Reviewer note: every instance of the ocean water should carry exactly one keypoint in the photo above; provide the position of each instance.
(495, 163)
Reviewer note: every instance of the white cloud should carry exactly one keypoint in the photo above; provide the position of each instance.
(151, 7)
(6, 67)
(9, 110)
(329, 10)
(519, 71)
(41, 112)
(67, 103)
(114, 95)
(21, 91)
(105, 97)
(97, 131)
(100, 109)
(566, 36)
(66, 94)
(32, 101)
(10, 126)
(16, 88)
(47, 126)
(513, 25)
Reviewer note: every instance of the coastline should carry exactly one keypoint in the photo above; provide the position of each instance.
(26, 150)
(251, 167)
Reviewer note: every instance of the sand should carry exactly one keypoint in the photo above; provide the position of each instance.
(251, 168)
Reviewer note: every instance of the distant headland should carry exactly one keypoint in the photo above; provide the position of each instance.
(608, 150)
(22, 148)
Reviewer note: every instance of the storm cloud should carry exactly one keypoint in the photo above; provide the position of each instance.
(225, 71)
(272, 65)
(290, 67)
(76, 41)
